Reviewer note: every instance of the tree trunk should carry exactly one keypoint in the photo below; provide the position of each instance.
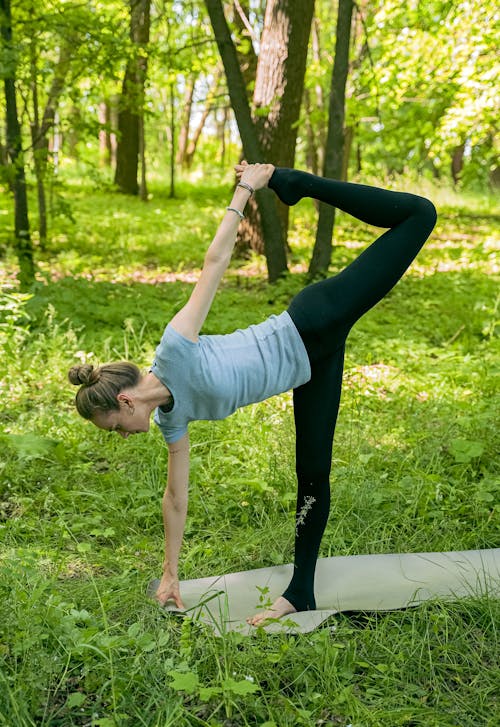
(172, 142)
(314, 110)
(143, 188)
(38, 151)
(247, 56)
(457, 162)
(209, 106)
(346, 155)
(495, 178)
(24, 248)
(40, 128)
(274, 247)
(193, 142)
(187, 105)
(221, 127)
(334, 153)
(4, 158)
(278, 92)
(319, 96)
(312, 146)
(105, 134)
(132, 100)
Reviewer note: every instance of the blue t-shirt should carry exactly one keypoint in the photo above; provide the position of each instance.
(213, 377)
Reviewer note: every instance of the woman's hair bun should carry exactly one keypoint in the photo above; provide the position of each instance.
(84, 375)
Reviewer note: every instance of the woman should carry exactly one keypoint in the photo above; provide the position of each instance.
(209, 377)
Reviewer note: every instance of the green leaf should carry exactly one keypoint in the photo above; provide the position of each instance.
(242, 687)
(184, 681)
(134, 630)
(206, 693)
(75, 699)
(84, 547)
(30, 446)
(464, 450)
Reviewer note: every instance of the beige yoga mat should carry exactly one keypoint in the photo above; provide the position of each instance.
(345, 583)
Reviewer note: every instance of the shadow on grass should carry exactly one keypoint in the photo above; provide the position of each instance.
(437, 309)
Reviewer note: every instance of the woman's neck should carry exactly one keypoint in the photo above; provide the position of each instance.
(152, 392)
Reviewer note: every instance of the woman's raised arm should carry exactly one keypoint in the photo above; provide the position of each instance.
(189, 320)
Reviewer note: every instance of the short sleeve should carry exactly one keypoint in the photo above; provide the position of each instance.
(171, 432)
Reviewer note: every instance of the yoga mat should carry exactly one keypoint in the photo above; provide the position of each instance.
(343, 583)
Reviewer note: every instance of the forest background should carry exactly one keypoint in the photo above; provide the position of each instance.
(120, 123)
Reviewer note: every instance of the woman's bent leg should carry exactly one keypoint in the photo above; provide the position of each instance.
(324, 312)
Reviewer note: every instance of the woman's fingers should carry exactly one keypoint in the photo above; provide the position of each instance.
(164, 597)
(257, 175)
(241, 165)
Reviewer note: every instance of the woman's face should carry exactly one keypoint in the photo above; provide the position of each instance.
(130, 418)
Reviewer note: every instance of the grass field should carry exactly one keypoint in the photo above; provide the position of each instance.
(415, 468)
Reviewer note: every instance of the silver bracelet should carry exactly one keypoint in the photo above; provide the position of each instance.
(246, 186)
(233, 209)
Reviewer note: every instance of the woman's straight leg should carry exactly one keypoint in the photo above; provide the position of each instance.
(315, 407)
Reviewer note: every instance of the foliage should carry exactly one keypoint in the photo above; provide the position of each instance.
(422, 83)
(415, 469)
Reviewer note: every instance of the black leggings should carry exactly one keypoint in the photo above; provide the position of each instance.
(324, 314)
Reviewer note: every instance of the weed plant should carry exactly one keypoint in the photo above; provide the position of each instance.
(415, 469)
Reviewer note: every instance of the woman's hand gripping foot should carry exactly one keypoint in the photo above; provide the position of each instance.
(256, 175)
(281, 607)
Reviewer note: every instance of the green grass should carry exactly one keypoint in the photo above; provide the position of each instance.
(415, 469)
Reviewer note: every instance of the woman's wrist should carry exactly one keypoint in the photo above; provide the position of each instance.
(245, 185)
(240, 198)
(169, 570)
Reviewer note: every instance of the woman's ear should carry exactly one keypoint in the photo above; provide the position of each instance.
(125, 401)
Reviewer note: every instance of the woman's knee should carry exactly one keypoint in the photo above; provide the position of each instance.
(426, 211)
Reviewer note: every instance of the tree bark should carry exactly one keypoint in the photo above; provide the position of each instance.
(274, 247)
(279, 86)
(24, 248)
(334, 152)
(132, 100)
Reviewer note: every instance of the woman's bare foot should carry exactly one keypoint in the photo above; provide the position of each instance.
(279, 608)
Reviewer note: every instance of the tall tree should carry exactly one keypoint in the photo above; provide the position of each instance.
(24, 247)
(334, 150)
(187, 103)
(130, 115)
(274, 248)
(279, 83)
(210, 105)
(42, 123)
